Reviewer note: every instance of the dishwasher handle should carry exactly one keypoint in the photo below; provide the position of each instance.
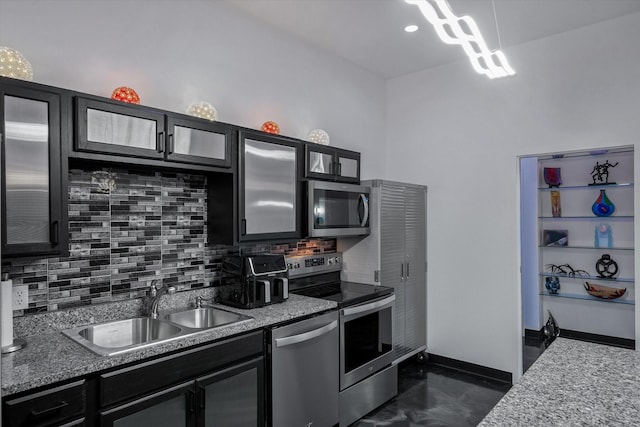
(306, 336)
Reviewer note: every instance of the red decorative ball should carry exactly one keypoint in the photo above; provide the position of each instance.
(125, 94)
(271, 127)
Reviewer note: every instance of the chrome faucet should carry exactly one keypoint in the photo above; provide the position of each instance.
(153, 298)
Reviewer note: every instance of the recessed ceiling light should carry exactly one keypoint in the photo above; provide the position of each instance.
(411, 28)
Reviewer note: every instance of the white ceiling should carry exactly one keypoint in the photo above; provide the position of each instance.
(370, 33)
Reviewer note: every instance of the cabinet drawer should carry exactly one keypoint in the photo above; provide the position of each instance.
(49, 407)
(128, 383)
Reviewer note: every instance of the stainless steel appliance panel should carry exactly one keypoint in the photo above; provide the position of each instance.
(304, 372)
(120, 129)
(336, 209)
(26, 170)
(367, 395)
(366, 339)
(269, 187)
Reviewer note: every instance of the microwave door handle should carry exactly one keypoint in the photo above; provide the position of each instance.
(306, 336)
(365, 215)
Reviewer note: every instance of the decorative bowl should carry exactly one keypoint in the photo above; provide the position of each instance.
(604, 292)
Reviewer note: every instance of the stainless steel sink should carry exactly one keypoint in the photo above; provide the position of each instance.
(123, 335)
(111, 338)
(205, 318)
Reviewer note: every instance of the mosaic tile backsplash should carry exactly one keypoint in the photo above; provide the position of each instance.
(126, 229)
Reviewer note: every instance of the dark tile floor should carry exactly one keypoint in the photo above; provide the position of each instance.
(431, 395)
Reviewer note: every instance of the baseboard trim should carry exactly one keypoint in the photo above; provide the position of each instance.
(471, 368)
(599, 339)
(532, 333)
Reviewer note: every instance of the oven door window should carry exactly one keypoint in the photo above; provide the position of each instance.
(338, 209)
(366, 338)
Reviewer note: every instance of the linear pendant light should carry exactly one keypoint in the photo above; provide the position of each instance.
(463, 31)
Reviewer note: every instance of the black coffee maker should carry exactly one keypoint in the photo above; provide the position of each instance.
(257, 280)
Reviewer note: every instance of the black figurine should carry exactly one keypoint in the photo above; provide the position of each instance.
(606, 267)
(600, 173)
(567, 270)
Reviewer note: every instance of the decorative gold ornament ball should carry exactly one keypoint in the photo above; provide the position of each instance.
(14, 65)
(203, 110)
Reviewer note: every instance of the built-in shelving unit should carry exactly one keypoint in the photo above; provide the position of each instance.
(569, 233)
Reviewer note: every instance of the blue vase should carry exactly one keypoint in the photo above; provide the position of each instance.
(552, 284)
(603, 206)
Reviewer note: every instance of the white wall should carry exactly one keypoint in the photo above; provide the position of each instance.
(461, 134)
(175, 53)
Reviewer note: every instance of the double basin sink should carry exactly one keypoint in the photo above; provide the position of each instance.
(111, 338)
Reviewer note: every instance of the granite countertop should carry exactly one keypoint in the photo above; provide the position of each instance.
(51, 356)
(574, 383)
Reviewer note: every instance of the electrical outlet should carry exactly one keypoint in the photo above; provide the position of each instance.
(20, 297)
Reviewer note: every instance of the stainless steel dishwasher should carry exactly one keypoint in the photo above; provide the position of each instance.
(304, 372)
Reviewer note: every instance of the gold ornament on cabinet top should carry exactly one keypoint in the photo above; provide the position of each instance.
(14, 65)
(319, 137)
(204, 110)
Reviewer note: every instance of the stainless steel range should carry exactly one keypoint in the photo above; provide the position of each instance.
(367, 377)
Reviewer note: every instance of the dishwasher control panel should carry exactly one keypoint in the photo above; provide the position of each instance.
(303, 265)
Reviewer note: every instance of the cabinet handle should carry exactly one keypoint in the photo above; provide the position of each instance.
(408, 274)
(191, 402)
(58, 407)
(203, 394)
(170, 143)
(160, 142)
(339, 173)
(243, 226)
(402, 271)
(55, 231)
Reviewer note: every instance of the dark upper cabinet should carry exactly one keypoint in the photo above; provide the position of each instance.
(331, 164)
(199, 141)
(269, 188)
(34, 194)
(120, 129)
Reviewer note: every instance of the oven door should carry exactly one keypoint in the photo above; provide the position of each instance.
(366, 339)
(336, 209)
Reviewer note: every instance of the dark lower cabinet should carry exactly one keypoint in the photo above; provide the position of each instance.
(214, 385)
(61, 405)
(172, 407)
(232, 397)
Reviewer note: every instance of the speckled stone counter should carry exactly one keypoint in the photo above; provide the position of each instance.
(51, 357)
(574, 383)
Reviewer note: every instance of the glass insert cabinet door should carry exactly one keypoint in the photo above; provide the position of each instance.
(108, 127)
(31, 180)
(167, 408)
(269, 189)
(199, 141)
(233, 398)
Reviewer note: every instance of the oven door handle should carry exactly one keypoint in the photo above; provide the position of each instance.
(373, 306)
(295, 339)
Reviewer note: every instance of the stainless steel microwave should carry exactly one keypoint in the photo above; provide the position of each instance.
(335, 209)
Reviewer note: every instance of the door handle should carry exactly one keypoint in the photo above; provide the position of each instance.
(50, 410)
(55, 232)
(373, 306)
(295, 339)
(170, 143)
(160, 142)
(365, 214)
